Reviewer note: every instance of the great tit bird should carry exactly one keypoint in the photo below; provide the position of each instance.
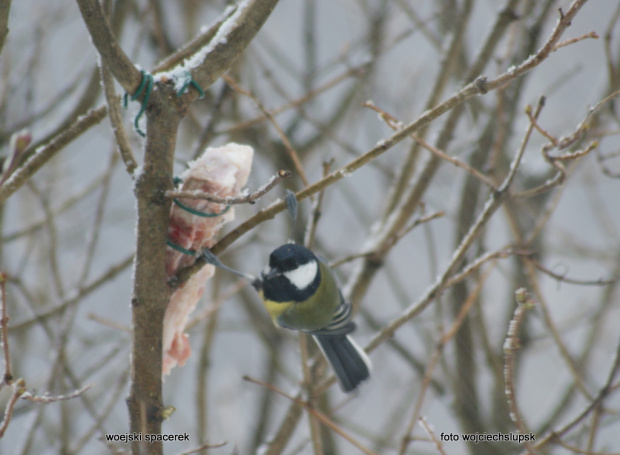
(300, 293)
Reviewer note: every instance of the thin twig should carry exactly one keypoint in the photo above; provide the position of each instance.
(110, 323)
(574, 449)
(563, 278)
(417, 222)
(315, 214)
(107, 409)
(7, 377)
(560, 175)
(250, 198)
(46, 399)
(44, 153)
(116, 119)
(568, 42)
(444, 156)
(18, 390)
(355, 71)
(574, 369)
(50, 223)
(565, 21)
(477, 263)
(561, 144)
(604, 392)
(530, 115)
(314, 412)
(308, 384)
(89, 253)
(439, 349)
(59, 208)
(393, 123)
(74, 298)
(286, 428)
(17, 145)
(424, 424)
(292, 153)
(511, 345)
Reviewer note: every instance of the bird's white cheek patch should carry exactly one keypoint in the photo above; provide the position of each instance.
(303, 276)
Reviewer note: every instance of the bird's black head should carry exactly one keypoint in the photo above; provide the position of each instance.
(290, 256)
(293, 274)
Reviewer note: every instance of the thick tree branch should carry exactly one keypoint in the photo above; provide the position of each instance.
(151, 293)
(190, 48)
(233, 36)
(123, 69)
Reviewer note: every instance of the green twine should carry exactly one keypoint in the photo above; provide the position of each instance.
(187, 81)
(147, 81)
(177, 181)
(199, 213)
(180, 248)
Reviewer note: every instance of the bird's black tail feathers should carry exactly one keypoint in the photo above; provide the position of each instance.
(350, 363)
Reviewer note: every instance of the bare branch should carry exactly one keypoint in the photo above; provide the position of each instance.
(563, 23)
(7, 377)
(233, 35)
(18, 390)
(292, 153)
(424, 424)
(315, 413)
(568, 42)
(395, 124)
(604, 393)
(46, 152)
(47, 398)
(511, 345)
(565, 279)
(123, 69)
(187, 50)
(250, 198)
(478, 87)
(116, 119)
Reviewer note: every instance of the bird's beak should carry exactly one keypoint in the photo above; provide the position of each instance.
(272, 273)
(257, 284)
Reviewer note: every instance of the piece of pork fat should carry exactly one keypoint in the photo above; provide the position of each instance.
(222, 172)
